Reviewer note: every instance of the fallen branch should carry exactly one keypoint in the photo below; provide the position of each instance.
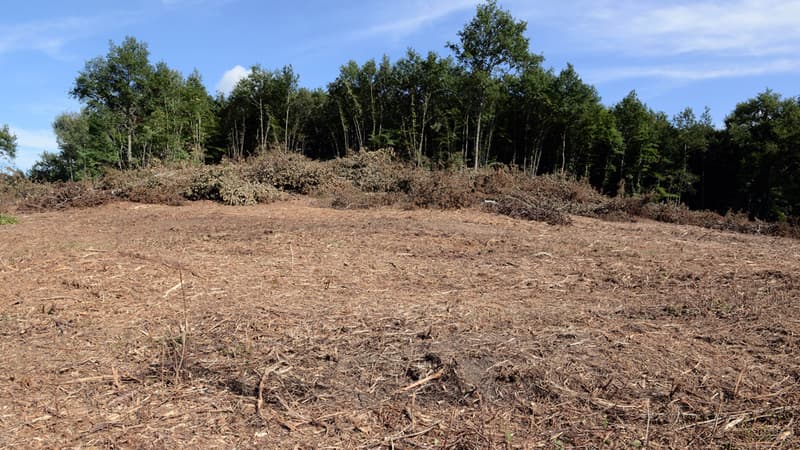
(429, 378)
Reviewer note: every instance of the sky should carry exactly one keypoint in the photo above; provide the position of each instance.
(674, 53)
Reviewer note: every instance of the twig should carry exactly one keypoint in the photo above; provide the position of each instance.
(100, 378)
(429, 378)
(739, 382)
(647, 430)
(418, 433)
(172, 289)
(261, 384)
(184, 329)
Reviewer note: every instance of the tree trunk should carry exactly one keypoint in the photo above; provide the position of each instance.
(344, 131)
(286, 122)
(422, 130)
(261, 134)
(465, 144)
(563, 150)
(478, 138)
(129, 150)
(489, 144)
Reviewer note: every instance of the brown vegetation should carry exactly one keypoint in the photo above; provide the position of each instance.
(367, 179)
(133, 325)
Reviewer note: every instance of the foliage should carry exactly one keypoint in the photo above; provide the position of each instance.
(8, 142)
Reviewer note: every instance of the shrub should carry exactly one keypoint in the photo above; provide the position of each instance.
(540, 209)
(227, 184)
(374, 171)
(291, 172)
(154, 185)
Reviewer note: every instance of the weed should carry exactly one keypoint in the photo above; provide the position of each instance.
(5, 219)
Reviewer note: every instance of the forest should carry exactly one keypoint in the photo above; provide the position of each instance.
(488, 101)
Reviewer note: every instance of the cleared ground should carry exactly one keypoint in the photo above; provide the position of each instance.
(297, 324)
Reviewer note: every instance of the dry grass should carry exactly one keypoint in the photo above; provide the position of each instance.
(202, 325)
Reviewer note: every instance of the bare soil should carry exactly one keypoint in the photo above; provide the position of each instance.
(290, 324)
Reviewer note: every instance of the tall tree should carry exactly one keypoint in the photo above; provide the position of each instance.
(765, 133)
(493, 41)
(572, 100)
(117, 83)
(637, 125)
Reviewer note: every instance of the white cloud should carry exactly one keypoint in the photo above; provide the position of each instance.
(230, 78)
(30, 145)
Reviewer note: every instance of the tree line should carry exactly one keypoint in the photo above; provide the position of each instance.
(490, 102)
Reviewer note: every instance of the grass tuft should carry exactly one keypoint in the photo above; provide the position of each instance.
(5, 219)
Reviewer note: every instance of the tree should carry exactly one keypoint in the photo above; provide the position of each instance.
(637, 125)
(572, 99)
(74, 139)
(117, 83)
(198, 111)
(491, 42)
(257, 114)
(8, 142)
(765, 134)
(690, 137)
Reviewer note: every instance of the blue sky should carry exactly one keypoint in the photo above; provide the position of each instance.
(674, 53)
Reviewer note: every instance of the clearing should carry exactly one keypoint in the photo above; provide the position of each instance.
(298, 324)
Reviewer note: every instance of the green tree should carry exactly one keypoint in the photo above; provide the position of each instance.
(689, 137)
(637, 124)
(74, 140)
(492, 42)
(8, 142)
(765, 134)
(117, 83)
(256, 116)
(573, 103)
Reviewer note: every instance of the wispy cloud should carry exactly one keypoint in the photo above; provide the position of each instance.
(694, 72)
(38, 139)
(736, 27)
(415, 15)
(51, 36)
(47, 36)
(680, 39)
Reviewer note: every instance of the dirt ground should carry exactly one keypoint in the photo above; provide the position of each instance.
(294, 325)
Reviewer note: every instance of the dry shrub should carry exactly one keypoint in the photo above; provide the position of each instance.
(227, 184)
(445, 190)
(153, 185)
(732, 221)
(540, 209)
(570, 195)
(375, 171)
(343, 195)
(61, 195)
(291, 172)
